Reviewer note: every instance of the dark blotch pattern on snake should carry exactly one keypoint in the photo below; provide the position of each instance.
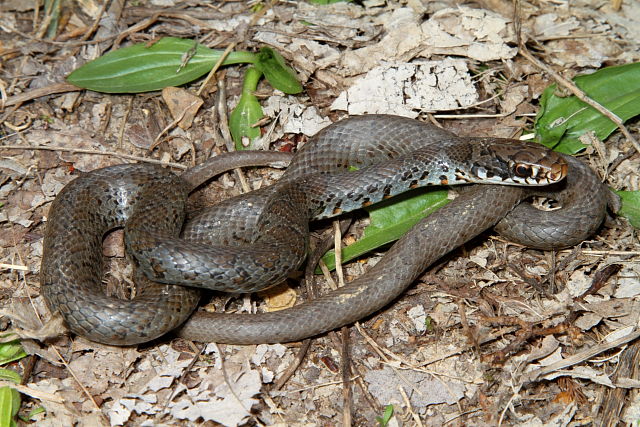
(256, 240)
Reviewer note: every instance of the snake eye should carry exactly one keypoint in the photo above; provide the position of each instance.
(523, 171)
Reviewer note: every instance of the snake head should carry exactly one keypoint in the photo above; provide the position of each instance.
(510, 161)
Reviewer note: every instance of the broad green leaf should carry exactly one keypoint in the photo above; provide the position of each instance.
(142, 68)
(276, 71)
(9, 406)
(562, 119)
(390, 220)
(247, 113)
(630, 206)
(11, 351)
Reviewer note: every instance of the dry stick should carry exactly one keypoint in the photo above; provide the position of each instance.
(36, 17)
(14, 267)
(107, 119)
(3, 95)
(62, 43)
(46, 21)
(579, 357)
(455, 417)
(119, 37)
(580, 95)
(227, 381)
(345, 365)
(338, 252)
(291, 369)
(380, 351)
(37, 93)
(96, 22)
(19, 128)
(215, 67)
(416, 417)
(314, 259)
(152, 19)
(315, 386)
(124, 121)
(345, 359)
(183, 377)
(614, 399)
(157, 141)
(87, 151)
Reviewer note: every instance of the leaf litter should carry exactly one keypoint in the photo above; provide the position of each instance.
(408, 58)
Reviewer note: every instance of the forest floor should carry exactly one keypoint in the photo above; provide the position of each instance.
(494, 334)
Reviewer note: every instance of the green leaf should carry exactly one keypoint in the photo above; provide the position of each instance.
(9, 375)
(9, 406)
(562, 119)
(383, 421)
(32, 414)
(52, 9)
(277, 72)
(630, 206)
(429, 324)
(9, 398)
(142, 68)
(11, 351)
(390, 220)
(247, 113)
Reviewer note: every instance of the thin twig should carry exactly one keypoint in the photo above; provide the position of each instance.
(345, 353)
(291, 369)
(157, 141)
(125, 118)
(96, 152)
(14, 267)
(40, 92)
(96, 22)
(215, 67)
(416, 418)
(579, 357)
(228, 381)
(183, 377)
(345, 368)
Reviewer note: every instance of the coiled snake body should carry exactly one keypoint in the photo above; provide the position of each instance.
(257, 239)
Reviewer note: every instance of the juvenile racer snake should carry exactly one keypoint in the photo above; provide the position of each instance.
(256, 240)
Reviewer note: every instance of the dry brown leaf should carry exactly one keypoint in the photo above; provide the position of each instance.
(182, 104)
(279, 297)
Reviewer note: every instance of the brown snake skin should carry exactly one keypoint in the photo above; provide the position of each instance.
(261, 237)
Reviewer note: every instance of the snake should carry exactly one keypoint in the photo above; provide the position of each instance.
(253, 241)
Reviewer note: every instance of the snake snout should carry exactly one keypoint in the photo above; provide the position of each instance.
(550, 169)
(539, 167)
(558, 171)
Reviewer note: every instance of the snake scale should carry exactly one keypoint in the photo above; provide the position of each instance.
(257, 239)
